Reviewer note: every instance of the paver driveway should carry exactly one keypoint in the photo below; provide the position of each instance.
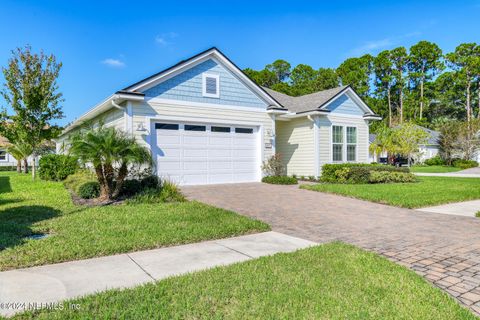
(445, 249)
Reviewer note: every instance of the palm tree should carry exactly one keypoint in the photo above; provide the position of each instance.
(111, 153)
(21, 151)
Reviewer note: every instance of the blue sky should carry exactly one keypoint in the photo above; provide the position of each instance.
(107, 45)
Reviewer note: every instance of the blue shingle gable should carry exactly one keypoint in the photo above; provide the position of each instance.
(345, 105)
(187, 86)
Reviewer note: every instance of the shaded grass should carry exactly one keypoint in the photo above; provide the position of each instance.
(428, 191)
(82, 232)
(332, 281)
(434, 169)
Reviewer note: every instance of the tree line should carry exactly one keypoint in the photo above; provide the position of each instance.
(422, 85)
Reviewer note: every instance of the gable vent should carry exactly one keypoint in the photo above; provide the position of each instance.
(211, 85)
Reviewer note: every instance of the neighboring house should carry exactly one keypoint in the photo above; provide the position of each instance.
(6, 159)
(206, 122)
(426, 151)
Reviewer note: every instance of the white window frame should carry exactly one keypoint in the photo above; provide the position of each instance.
(6, 156)
(344, 143)
(204, 85)
(354, 144)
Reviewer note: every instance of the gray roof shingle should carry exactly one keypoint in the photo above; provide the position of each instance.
(308, 102)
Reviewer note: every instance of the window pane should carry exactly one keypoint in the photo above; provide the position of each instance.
(211, 85)
(3, 155)
(337, 152)
(166, 126)
(351, 152)
(190, 127)
(351, 135)
(243, 130)
(220, 129)
(337, 134)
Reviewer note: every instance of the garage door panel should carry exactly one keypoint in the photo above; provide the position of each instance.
(205, 157)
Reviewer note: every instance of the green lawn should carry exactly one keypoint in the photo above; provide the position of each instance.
(434, 169)
(429, 191)
(332, 281)
(78, 232)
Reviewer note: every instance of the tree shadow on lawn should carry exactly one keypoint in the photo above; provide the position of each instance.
(15, 223)
(5, 185)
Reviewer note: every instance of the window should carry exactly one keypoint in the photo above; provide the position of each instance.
(211, 85)
(351, 144)
(220, 129)
(166, 126)
(189, 127)
(337, 143)
(3, 155)
(243, 130)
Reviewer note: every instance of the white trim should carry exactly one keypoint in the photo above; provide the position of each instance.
(169, 102)
(274, 134)
(316, 146)
(206, 75)
(214, 54)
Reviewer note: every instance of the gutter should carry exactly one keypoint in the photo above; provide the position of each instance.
(309, 114)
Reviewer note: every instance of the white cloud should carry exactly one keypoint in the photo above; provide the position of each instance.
(165, 39)
(378, 45)
(114, 63)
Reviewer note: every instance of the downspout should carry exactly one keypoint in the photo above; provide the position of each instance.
(316, 155)
(124, 109)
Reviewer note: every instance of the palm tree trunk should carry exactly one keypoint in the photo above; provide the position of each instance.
(122, 174)
(104, 193)
(389, 98)
(25, 165)
(19, 166)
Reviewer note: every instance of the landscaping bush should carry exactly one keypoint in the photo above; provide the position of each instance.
(279, 180)
(89, 190)
(74, 181)
(391, 177)
(274, 166)
(150, 182)
(56, 167)
(131, 187)
(167, 192)
(435, 161)
(8, 168)
(354, 172)
(465, 164)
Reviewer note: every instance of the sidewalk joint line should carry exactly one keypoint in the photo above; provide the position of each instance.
(148, 274)
(234, 250)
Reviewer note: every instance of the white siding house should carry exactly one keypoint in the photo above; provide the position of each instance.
(206, 122)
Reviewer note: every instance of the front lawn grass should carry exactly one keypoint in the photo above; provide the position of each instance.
(76, 232)
(434, 169)
(427, 192)
(332, 281)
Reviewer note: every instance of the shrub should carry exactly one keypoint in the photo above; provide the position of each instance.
(131, 187)
(8, 168)
(274, 166)
(391, 176)
(74, 181)
(354, 172)
(477, 214)
(150, 182)
(168, 192)
(435, 161)
(57, 167)
(465, 164)
(279, 180)
(89, 190)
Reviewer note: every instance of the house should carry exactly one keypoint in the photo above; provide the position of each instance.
(6, 159)
(206, 122)
(426, 151)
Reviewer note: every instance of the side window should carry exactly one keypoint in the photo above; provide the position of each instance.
(3, 155)
(337, 143)
(351, 144)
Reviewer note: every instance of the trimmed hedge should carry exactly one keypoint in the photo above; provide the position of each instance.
(391, 177)
(465, 164)
(57, 167)
(8, 168)
(280, 180)
(355, 172)
(89, 190)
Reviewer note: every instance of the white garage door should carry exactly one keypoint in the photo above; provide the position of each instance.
(192, 154)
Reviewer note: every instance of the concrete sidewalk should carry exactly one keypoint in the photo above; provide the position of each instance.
(22, 288)
(465, 208)
(448, 174)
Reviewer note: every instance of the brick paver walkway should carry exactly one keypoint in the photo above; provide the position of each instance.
(445, 249)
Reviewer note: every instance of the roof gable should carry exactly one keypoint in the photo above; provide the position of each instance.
(187, 86)
(214, 55)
